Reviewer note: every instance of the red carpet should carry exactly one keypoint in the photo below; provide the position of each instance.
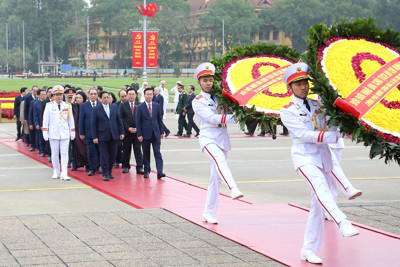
(275, 230)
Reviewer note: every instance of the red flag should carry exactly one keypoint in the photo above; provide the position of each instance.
(144, 10)
(141, 12)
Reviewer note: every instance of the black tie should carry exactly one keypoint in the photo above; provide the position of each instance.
(212, 97)
(59, 107)
(307, 105)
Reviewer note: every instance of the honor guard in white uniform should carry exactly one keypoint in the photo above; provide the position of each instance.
(58, 128)
(313, 160)
(214, 139)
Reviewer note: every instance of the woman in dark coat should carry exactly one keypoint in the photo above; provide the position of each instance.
(81, 159)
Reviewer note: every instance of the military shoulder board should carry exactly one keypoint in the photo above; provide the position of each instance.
(288, 105)
(198, 97)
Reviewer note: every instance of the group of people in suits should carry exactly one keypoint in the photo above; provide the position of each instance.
(106, 129)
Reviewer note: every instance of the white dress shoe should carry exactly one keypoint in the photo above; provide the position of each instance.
(55, 176)
(209, 218)
(310, 256)
(235, 193)
(352, 193)
(347, 229)
(64, 176)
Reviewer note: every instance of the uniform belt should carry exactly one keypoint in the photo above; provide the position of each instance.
(210, 125)
(299, 141)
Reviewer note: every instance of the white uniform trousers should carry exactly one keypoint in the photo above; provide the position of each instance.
(59, 147)
(219, 172)
(321, 201)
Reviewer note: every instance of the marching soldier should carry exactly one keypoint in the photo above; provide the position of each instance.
(313, 160)
(214, 139)
(58, 128)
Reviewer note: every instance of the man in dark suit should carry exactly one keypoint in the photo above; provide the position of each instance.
(17, 108)
(38, 121)
(190, 113)
(85, 131)
(28, 99)
(159, 98)
(44, 102)
(127, 111)
(107, 129)
(179, 110)
(31, 125)
(150, 131)
(122, 94)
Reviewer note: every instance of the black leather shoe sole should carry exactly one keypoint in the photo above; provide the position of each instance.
(146, 175)
(106, 179)
(160, 175)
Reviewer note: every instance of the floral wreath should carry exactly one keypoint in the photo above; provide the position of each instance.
(251, 62)
(333, 78)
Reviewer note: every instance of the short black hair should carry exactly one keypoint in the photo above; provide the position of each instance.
(39, 91)
(49, 89)
(77, 89)
(67, 86)
(102, 93)
(114, 99)
(23, 89)
(192, 86)
(130, 89)
(147, 89)
(82, 94)
(100, 88)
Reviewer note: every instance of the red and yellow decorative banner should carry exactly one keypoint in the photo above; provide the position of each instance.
(137, 49)
(372, 90)
(247, 92)
(151, 49)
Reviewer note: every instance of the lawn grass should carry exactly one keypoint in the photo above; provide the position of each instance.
(108, 84)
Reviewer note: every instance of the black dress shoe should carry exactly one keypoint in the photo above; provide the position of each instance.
(160, 175)
(197, 134)
(28, 144)
(91, 173)
(116, 165)
(73, 169)
(146, 175)
(43, 154)
(177, 135)
(248, 133)
(49, 159)
(110, 177)
(105, 178)
(140, 171)
(126, 170)
(16, 139)
(32, 149)
(261, 134)
(186, 135)
(99, 172)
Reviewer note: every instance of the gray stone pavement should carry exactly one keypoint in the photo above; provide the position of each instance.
(46, 222)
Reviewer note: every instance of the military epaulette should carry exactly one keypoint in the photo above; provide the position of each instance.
(198, 97)
(315, 102)
(49, 103)
(288, 105)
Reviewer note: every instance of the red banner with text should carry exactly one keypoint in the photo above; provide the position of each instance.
(137, 49)
(151, 49)
(372, 90)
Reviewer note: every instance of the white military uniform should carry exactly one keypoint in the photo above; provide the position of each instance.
(176, 95)
(164, 93)
(58, 128)
(214, 141)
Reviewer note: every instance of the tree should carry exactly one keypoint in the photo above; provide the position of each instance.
(170, 21)
(386, 13)
(239, 18)
(294, 17)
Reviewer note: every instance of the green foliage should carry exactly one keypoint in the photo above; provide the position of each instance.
(247, 116)
(317, 36)
(240, 22)
(294, 17)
